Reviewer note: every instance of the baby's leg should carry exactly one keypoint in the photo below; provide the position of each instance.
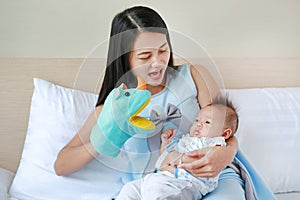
(131, 190)
(160, 186)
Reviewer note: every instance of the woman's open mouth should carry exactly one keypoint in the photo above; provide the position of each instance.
(156, 75)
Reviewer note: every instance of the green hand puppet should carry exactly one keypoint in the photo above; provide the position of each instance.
(118, 120)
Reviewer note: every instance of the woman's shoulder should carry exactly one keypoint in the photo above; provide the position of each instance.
(187, 68)
(180, 76)
(182, 67)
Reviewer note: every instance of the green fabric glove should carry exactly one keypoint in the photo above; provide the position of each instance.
(118, 120)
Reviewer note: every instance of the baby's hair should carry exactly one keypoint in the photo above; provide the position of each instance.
(231, 117)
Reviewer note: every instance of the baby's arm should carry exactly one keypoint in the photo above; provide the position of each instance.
(173, 158)
(166, 138)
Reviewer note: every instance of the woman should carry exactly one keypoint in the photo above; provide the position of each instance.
(146, 51)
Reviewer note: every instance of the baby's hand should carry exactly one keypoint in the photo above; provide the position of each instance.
(166, 137)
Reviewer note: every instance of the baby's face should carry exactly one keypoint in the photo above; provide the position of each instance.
(208, 123)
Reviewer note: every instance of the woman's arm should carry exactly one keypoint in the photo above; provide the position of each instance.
(79, 151)
(208, 162)
(207, 88)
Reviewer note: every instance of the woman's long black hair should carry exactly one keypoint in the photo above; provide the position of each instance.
(125, 27)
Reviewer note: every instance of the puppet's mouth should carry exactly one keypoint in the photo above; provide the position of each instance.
(139, 121)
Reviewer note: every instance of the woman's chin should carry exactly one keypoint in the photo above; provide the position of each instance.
(154, 83)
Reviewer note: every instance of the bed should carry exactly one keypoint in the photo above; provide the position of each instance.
(246, 80)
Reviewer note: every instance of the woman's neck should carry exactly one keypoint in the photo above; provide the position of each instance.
(158, 88)
(155, 89)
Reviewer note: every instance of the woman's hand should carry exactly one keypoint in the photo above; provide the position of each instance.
(209, 162)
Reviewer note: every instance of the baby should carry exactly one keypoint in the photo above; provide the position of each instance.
(214, 124)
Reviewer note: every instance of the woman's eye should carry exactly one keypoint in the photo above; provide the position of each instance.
(163, 50)
(144, 57)
(207, 122)
(196, 120)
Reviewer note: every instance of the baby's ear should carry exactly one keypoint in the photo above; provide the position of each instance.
(227, 133)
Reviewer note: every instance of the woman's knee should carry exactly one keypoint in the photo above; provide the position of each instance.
(227, 190)
(230, 187)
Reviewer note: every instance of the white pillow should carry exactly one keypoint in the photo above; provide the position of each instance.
(55, 116)
(6, 178)
(269, 133)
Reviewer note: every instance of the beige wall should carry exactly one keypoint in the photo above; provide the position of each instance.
(231, 28)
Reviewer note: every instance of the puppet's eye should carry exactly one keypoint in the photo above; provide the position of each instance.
(127, 94)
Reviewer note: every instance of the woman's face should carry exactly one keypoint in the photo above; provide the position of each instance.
(150, 56)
